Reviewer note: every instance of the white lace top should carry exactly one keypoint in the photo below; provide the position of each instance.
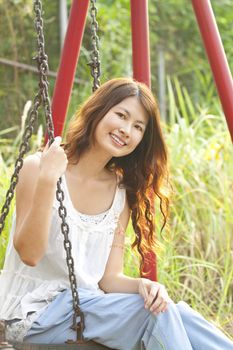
(25, 290)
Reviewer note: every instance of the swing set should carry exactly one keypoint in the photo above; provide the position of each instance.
(55, 114)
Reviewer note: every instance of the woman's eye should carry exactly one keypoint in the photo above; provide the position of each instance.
(121, 115)
(138, 127)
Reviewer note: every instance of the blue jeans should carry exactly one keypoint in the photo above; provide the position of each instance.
(120, 321)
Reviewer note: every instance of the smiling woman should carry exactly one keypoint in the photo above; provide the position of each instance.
(125, 123)
(113, 163)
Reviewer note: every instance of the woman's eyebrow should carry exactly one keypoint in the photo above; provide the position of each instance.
(127, 112)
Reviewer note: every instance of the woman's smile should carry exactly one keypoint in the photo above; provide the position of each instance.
(117, 140)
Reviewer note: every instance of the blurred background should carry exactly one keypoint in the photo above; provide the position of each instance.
(196, 262)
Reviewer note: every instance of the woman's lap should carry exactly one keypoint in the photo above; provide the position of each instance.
(120, 321)
(108, 318)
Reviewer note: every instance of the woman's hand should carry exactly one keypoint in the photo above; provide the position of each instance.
(53, 160)
(155, 296)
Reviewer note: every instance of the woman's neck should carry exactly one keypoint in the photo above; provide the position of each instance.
(90, 166)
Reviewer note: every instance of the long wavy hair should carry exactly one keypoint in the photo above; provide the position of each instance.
(143, 171)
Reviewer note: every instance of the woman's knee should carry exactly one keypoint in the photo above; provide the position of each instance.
(169, 315)
(185, 310)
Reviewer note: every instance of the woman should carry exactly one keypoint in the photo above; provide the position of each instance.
(113, 165)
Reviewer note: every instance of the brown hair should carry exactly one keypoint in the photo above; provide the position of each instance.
(143, 171)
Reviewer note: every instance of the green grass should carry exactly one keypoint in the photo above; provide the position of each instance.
(196, 263)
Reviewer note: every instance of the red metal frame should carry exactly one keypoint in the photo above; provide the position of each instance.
(217, 57)
(140, 41)
(68, 63)
(141, 72)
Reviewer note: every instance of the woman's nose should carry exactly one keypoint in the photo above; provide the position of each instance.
(125, 130)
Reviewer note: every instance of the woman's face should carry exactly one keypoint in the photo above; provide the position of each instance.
(122, 128)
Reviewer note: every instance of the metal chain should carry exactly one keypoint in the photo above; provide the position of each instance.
(24, 146)
(95, 61)
(78, 327)
(42, 61)
(43, 67)
(43, 98)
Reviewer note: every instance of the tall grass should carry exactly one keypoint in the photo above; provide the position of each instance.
(4, 183)
(196, 263)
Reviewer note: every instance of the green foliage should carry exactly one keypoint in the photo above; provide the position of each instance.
(19, 44)
(200, 245)
(4, 183)
(172, 27)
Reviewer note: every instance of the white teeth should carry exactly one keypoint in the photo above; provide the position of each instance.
(117, 140)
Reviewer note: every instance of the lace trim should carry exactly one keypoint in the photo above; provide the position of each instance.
(17, 330)
(108, 219)
(93, 219)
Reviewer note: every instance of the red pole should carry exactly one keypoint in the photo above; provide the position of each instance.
(68, 63)
(216, 56)
(140, 41)
(141, 72)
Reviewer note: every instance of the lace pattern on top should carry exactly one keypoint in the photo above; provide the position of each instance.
(93, 219)
(17, 330)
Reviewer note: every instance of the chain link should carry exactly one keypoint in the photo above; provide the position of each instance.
(42, 62)
(95, 61)
(78, 327)
(43, 68)
(24, 146)
(43, 98)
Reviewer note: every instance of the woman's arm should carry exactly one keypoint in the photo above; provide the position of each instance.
(35, 194)
(114, 281)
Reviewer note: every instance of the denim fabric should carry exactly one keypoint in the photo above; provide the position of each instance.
(120, 321)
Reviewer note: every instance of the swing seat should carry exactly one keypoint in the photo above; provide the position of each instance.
(85, 346)
(4, 345)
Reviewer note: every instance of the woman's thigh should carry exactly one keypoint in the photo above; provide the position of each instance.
(115, 320)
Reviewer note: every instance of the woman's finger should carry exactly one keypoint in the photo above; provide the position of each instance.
(161, 302)
(54, 144)
(157, 309)
(57, 141)
(152, 296)
(159, 299)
